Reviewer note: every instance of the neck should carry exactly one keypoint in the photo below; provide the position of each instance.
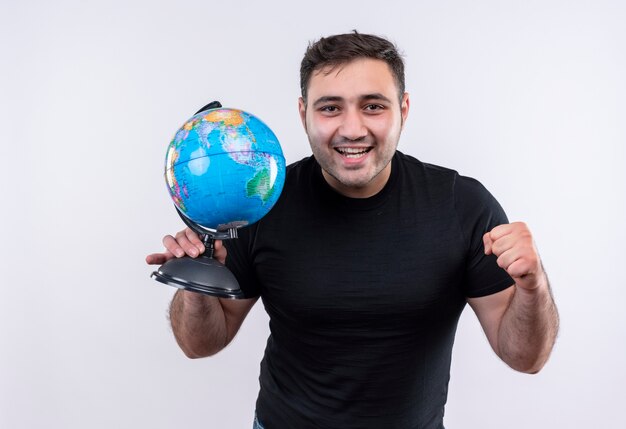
(370, 189)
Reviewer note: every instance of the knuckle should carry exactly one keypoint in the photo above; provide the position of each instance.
(501, 262)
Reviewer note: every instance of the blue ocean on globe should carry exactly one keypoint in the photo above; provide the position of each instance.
(224, 169)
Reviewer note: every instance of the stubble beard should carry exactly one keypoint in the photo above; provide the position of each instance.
(353, 178)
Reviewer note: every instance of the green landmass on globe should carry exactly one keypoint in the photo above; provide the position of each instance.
(224, 168)
(261, 185)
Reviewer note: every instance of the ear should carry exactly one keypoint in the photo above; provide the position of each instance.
(302, 110)
(404, 108)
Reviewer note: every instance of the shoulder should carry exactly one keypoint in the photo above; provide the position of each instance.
(305, 162)
(470, 190)
(303, 167)
(460, 183)
(299, 179)
(445, 184)
(425, 178)
(415, 167)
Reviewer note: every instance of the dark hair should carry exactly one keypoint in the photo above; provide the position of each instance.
(340, 49)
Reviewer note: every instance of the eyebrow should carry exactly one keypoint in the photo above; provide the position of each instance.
(327, 99)
(375, 96)
(364, 97)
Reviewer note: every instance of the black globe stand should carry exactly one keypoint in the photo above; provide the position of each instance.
(203, 274)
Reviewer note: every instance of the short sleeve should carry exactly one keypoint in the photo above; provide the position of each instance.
(478, 213)
(239, 261)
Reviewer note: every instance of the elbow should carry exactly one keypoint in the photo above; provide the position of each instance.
(188, 351)
(528, 366)
(191, 354)
(198, 350)
(531, 370)
(197, 354)
(527, 360)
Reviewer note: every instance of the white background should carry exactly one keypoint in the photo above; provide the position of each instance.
(528, 97)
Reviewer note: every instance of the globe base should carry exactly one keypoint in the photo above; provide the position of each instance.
(203, 275)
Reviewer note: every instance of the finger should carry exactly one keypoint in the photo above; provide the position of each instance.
(219, 251)
(519, 261)
(158, 258)
(503, 244)
(179, 246)
(487, 242)
(500, 231)
(525, 274)
(194, 239)
(521, 268)
(506, 259)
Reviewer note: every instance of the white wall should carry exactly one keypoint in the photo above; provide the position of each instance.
(528, 97)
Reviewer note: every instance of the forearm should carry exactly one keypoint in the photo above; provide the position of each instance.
(198, 323)
(528, 329)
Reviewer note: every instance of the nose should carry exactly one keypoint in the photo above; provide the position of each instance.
(352, 126)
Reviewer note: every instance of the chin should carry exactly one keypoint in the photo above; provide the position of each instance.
(355, 184)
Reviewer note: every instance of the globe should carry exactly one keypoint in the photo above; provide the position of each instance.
(224, 169)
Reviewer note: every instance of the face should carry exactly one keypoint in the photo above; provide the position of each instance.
(353, 120)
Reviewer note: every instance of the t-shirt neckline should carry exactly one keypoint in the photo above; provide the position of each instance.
(358, 204)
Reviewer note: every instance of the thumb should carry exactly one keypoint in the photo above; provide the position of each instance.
(488, 242)
(158, 258)
(219, 251)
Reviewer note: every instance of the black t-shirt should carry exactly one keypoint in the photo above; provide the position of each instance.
(364, 295)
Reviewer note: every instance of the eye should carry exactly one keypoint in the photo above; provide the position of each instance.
(373, 107)
(329, 109)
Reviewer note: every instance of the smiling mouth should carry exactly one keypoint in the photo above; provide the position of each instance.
(353, 152)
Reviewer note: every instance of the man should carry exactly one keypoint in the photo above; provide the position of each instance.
(366, 263)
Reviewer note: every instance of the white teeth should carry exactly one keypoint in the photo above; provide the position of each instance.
(352, 152)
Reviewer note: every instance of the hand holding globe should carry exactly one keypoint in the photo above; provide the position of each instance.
(224, 170)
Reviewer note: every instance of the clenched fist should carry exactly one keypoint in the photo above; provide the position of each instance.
(514, 246)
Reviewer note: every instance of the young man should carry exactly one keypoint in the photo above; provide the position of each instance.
(366, 263)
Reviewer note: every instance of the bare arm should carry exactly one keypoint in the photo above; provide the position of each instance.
(202, 325)
(521, 327)
(520, 322)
